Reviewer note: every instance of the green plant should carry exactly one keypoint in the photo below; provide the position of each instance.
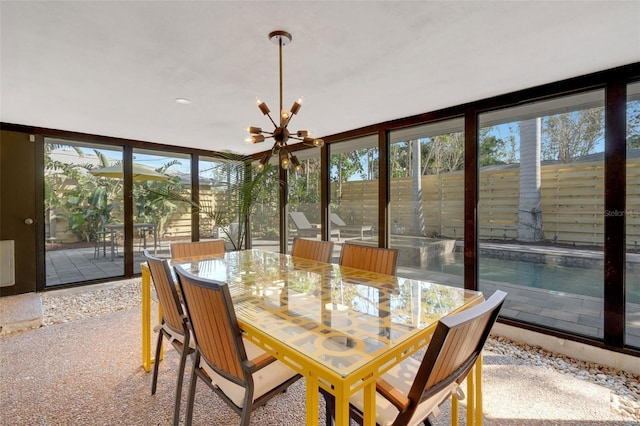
(232, 207)
(150, 206)
(81, 199)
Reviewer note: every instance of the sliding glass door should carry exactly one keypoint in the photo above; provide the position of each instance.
(83, 195)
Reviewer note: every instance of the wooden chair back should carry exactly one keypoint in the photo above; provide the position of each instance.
(454, 348)
(374, 259)
(166, 290)
(312, 249)
(214, 324)
(197, 248)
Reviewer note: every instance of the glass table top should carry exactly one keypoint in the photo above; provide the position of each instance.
(341, 317)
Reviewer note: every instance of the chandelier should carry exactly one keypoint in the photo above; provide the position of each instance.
(281, 134)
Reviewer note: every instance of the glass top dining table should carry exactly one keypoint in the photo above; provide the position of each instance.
(340, 327)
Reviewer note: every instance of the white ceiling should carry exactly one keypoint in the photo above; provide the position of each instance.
(115, 68)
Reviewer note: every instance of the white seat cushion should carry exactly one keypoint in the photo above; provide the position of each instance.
(401, 377)
(174, 335)
(264, 379)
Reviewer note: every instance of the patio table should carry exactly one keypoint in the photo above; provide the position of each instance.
(341, 328)
(113, 227)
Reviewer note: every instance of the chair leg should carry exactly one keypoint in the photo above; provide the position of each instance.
(245, 417)
(192, 390)
(330, 408)
(183, 361)
(156, 361)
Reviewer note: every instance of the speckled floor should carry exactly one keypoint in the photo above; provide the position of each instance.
(87, 371)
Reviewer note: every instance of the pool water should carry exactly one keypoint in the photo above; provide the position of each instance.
(550, 277)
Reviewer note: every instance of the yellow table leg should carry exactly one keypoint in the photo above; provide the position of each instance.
(454, 411)
(146, 319)
(471, 397)
(342, 405)
(369, 404)
(478, 394)
(312, 399)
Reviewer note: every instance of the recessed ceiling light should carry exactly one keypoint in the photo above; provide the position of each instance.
(183, 101)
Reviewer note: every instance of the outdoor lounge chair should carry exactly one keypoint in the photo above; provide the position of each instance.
(412, 390)
(174, 324)
(305, 229)
(239, 372)
(353, 229)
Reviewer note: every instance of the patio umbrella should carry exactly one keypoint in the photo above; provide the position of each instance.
(140, 172)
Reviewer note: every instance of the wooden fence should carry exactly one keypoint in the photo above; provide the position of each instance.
(572, 204)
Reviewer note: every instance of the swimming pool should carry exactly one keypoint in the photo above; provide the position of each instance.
(546, 276)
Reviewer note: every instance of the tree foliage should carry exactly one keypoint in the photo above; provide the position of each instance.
(633, 124)
(573, 134)
(492, 150)
(73, 194)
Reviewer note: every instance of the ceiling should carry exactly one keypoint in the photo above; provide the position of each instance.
(115, 68)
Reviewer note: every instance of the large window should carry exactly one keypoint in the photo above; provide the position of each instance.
(304, 196)
(221, 188)
(632, 217)
(354, 190)
(540, 215)
(265, 219)
(161, 212)
(427, 197)
(541, 211)
(83, 205)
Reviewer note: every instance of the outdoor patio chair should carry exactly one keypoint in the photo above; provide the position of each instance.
(304, 227)
(174, 324)
(101, 243)
(312, 249)
(239, 372)
(373, 259)
(102, 240)
(198, 248)
(411, 391)
(350, 229)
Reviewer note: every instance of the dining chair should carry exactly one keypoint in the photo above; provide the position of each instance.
(411, 391)
(373, 259)
(174, 326)
(197, 248)
(239, 372)
(312, 249)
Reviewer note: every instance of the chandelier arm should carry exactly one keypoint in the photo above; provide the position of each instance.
(289, 118)
(301, 140)
(273, 122)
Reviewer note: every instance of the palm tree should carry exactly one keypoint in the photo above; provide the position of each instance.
(530, 204)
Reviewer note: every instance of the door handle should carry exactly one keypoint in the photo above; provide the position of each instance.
(28, 221)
